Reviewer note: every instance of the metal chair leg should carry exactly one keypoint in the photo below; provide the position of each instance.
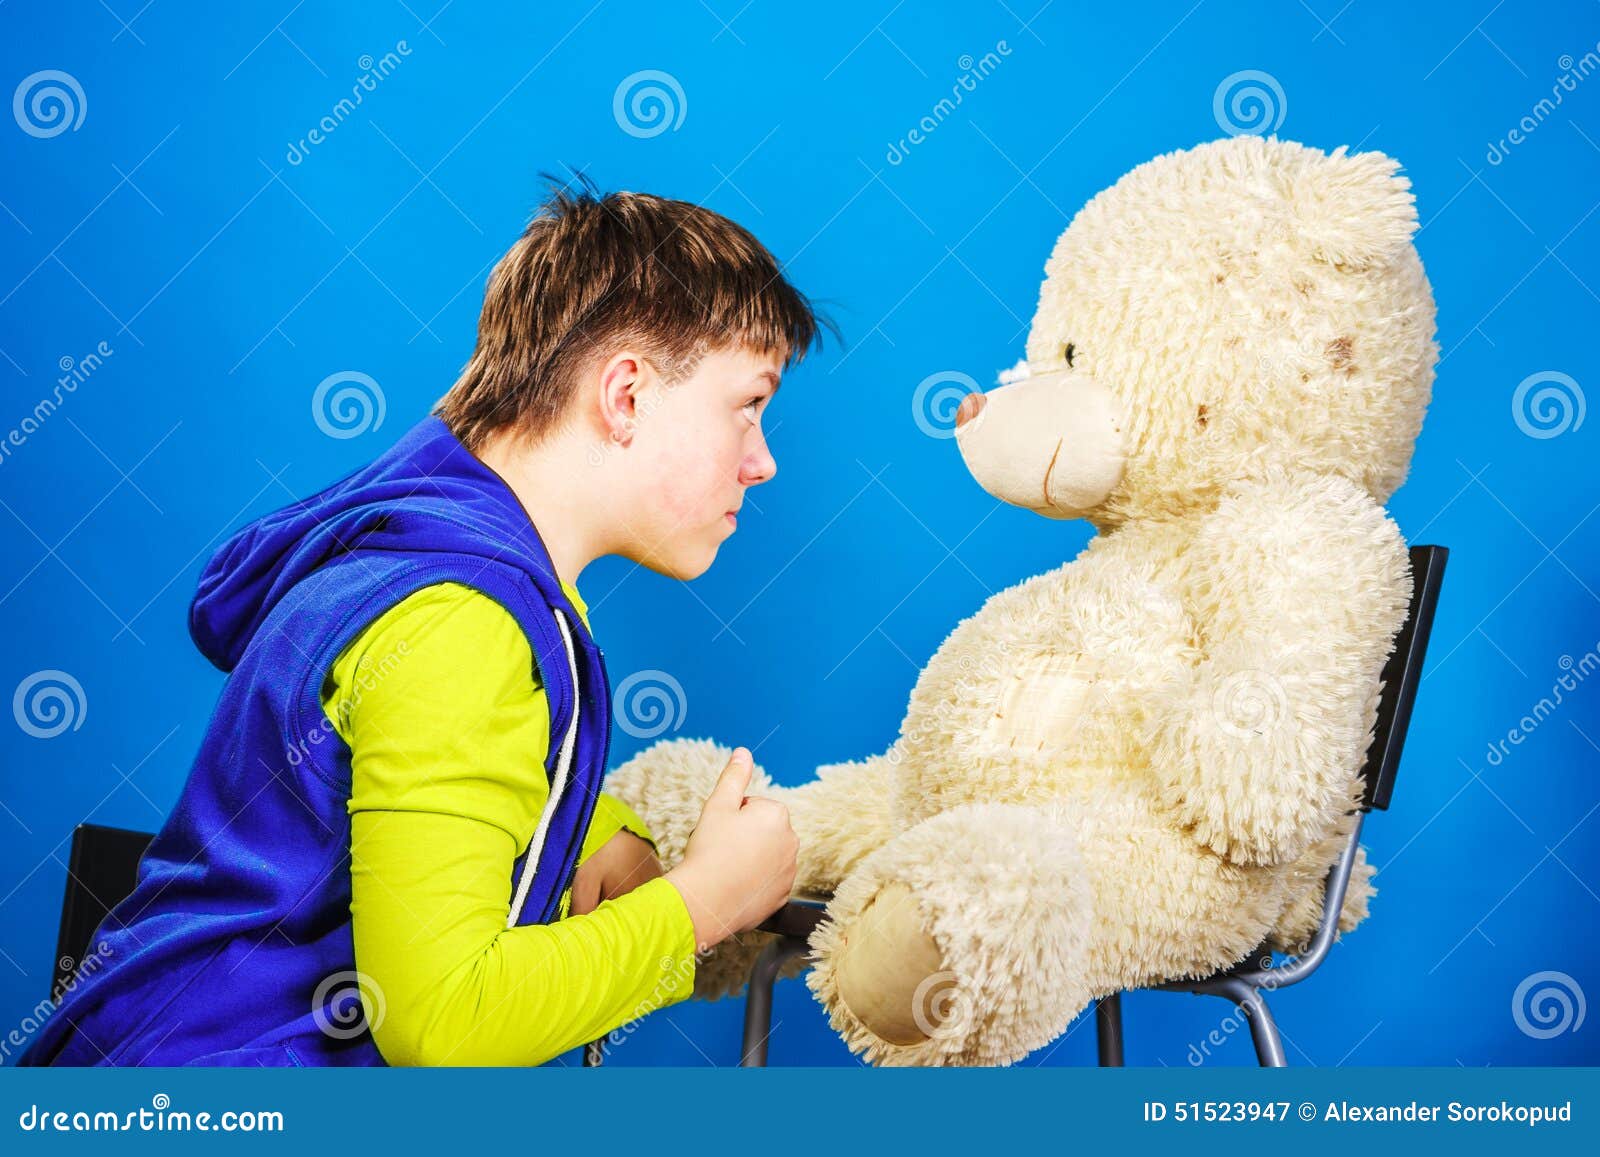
(1108, 1029)
(1263, 1029)
(758, 1001)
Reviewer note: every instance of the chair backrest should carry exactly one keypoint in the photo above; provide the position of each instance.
(1401, 674)
(102, 869)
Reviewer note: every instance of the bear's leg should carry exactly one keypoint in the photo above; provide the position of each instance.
(962, 941)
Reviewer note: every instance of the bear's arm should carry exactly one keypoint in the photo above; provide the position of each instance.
(848, 811)
(1299, 585)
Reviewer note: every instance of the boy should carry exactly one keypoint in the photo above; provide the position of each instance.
(392, 847)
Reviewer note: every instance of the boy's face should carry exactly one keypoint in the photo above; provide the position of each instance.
(697, 446)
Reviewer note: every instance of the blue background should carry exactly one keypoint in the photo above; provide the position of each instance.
(229, 282)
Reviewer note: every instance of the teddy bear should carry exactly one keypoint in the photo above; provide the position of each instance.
(1138, 766)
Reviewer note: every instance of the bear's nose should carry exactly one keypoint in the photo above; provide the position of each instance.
(971, 406)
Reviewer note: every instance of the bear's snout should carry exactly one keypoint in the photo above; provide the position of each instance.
(1052, 443)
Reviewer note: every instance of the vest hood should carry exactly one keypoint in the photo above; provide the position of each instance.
(427, 493)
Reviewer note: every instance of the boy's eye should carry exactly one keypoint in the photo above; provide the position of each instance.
(752, 406)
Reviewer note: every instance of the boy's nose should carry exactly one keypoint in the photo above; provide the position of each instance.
(759, 468)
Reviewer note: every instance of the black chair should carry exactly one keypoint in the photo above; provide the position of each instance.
(1244, 982)
(102, 868)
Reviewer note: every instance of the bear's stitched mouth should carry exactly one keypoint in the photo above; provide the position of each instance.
(1049, 470)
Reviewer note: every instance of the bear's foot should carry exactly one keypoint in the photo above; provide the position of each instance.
(960, 942)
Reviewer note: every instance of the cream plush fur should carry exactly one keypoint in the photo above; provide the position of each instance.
(1140, 765)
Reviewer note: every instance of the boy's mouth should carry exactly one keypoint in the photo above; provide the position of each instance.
(733, 519)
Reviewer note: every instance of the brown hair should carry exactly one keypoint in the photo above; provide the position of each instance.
(594, 270)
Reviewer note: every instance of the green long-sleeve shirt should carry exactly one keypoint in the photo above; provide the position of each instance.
(440, 702)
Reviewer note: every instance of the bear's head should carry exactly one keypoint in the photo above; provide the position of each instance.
(1244, 305)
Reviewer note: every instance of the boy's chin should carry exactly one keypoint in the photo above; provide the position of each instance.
(682, 564)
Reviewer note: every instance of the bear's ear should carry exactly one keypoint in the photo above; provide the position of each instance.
(1354, 211)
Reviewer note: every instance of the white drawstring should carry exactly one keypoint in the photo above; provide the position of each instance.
(558, 788)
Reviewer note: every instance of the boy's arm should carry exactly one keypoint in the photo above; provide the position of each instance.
(454, 986)
(611, 816)
(448, 733)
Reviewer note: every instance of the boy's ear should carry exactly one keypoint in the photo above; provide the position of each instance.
(621, 379)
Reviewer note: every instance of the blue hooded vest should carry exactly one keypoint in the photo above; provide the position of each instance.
(235, 946)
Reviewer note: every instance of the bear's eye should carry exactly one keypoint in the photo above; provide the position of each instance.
(1068, 352)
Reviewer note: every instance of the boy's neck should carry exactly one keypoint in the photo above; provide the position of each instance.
(554, 481)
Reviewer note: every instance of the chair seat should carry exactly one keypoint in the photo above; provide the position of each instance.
(798, 918)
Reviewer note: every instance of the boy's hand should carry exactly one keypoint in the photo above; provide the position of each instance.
(620, 865)
(739, 865)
